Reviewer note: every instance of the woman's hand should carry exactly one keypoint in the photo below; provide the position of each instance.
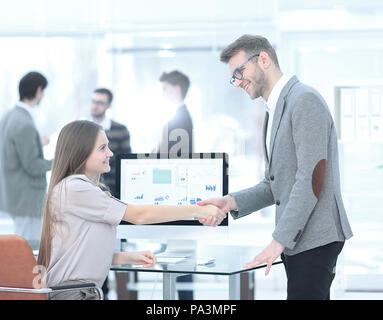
(146, 258)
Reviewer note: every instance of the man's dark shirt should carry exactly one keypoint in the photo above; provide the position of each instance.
(119, 142)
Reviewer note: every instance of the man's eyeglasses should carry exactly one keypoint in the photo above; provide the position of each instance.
(237, 74)
(100, 103)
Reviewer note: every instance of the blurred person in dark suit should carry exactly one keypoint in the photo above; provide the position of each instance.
(118, 134)
(177, 134)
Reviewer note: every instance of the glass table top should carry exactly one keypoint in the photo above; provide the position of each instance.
(224, 260)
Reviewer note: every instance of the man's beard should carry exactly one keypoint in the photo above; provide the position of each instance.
(98, 116)
(260, 85)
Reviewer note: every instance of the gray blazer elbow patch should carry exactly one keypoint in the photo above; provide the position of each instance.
(318, 177)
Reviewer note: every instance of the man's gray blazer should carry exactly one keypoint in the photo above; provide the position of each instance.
(22, 165)
(301, 174)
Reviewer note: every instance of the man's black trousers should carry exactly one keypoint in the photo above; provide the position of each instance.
(310, 273)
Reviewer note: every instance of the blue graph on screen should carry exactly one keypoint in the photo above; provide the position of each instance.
(160, 199)
(195, 200)
(162, 176)
(210, 187)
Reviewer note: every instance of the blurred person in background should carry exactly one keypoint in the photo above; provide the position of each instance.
(22, 165)
(177, 134)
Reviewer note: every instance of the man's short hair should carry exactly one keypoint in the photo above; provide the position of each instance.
(177, 78)
(250, 44)
(105, 91)
(29, 84)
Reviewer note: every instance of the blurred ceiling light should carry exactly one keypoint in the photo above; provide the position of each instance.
(167, 46)
(305, 49)
(333, 49)
(166, 54)
(315, 19)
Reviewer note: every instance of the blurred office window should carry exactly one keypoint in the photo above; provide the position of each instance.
(71, 67)
(359, 119)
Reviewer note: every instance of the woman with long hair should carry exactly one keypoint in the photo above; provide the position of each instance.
(80, 219)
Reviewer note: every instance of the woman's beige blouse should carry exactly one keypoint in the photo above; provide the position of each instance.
(84, 237)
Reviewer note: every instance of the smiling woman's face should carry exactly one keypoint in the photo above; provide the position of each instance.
(98, 161)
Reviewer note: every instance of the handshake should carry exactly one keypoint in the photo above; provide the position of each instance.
(214, 210)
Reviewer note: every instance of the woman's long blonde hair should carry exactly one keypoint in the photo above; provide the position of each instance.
(74, 146)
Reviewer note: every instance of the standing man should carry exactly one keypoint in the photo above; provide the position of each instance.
(118, 135)
(22, 165)
(177, 135)
(301, 172)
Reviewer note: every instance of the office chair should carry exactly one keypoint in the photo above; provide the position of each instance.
(20, 277)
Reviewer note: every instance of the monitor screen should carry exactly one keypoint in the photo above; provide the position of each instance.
(163, 179)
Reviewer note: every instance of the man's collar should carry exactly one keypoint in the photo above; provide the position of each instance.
(106, 123)
(26, 107)
(275, 93)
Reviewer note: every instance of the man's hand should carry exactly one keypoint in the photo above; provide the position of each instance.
(225, 203)
(44, 140)
(212, 213)
(268, 255)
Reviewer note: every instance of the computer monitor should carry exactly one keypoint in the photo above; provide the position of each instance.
(166, 179)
